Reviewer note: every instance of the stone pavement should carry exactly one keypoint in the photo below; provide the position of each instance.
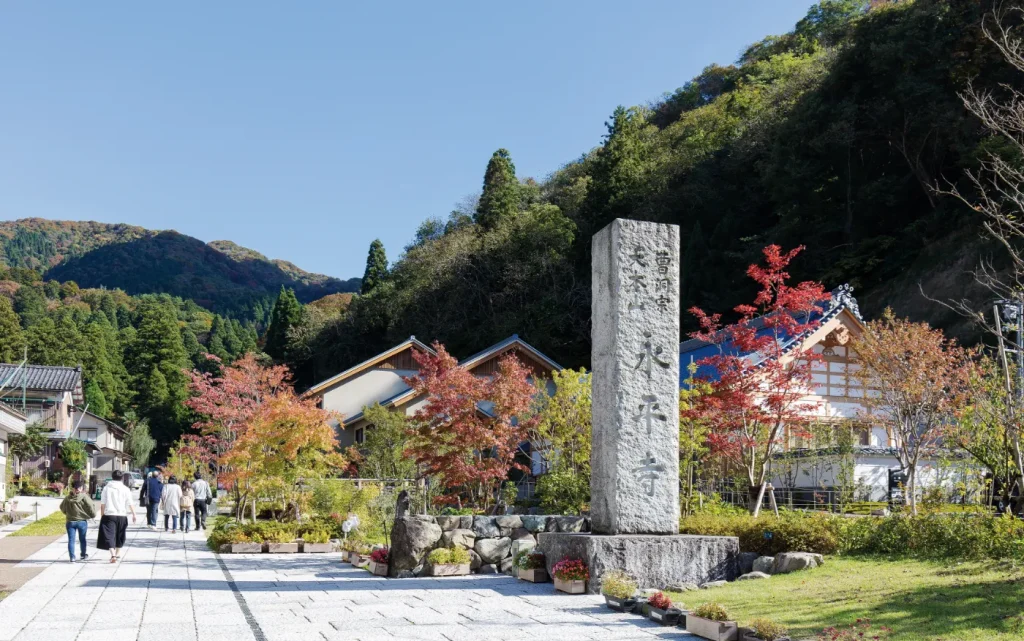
(172, 588)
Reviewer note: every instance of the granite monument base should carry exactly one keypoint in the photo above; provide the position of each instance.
(654, 560)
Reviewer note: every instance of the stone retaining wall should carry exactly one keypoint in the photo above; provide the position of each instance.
(492, 541)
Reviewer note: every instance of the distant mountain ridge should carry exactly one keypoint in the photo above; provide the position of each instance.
(221, 275)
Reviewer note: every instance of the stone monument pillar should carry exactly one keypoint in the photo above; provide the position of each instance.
(634, 483)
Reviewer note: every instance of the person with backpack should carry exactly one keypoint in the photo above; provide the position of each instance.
(154, 489)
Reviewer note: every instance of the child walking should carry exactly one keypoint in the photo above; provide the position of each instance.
(188, 499)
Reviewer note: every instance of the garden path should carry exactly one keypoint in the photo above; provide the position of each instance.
(172, 588)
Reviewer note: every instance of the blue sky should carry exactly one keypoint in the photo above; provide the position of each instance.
(305, 130)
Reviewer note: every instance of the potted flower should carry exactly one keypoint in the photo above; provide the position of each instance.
(619, 590)
(531, 567)
(660, 610)
(711, 621)
(449, 562)
(379, 561)
(571, 576)
(765, 630)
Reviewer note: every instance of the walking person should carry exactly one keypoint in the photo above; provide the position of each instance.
(78, 511)
(188, 499)
(170, 503)
(115, 505)
(203, 496)
(154, 489)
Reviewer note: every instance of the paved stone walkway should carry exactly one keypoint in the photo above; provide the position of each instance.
(172, 588)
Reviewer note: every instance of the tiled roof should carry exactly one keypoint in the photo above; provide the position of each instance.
(511, 340)
(41, 377)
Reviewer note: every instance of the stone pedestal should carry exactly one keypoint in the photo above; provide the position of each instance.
(655, 561)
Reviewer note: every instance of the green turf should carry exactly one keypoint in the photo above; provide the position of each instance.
(919, 600)
(46, 526)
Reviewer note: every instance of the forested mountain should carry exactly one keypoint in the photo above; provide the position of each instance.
(832, 136)
(220, 276)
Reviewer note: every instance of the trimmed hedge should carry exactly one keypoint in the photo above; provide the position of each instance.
(769, 535)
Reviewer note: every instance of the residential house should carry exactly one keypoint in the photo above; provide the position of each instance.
(381, 379)
(11, 422)
(838, 397)
(107, 441)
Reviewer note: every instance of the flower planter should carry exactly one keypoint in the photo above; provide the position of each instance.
(378, 569)
(639, 606)
(449, 569)
(316, 548)
(361, 560)
(246, 548)
(713, 630)
(570, 587)
(664, 617)
(283, 548)
(537, 575)
(620, 605)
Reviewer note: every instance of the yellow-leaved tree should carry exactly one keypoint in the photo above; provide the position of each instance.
(562, 435)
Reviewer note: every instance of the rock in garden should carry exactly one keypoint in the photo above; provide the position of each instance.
(411, 538)
(449, 522)
(458, 538)
(746, 562)
(406, 574)
(569, 523)
(485, 527)
(488, 568)
(754, 575)
(427, 518)
(535, 523)
(510, 521)
(466, 522)
(763, 564)
(522, 534)
(796, 561)
(474, 560)
(682, 587)
(506, 566)
(713, 584)
(493, 550)
(420, 570)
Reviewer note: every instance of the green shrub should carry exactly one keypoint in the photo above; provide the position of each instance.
(618, 584)
(529, 560)
(768, 630)
(769, 535)
(966, 536)
(713, 611)
(448, 556)
(316, 536)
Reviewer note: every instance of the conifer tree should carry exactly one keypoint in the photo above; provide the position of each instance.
(286, 313)
(501, 195)
(376, 267)
(12, 339)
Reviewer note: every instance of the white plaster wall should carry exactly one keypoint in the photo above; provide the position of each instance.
(372, 386)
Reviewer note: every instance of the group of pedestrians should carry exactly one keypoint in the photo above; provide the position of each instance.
(178, 502)
(115, 506)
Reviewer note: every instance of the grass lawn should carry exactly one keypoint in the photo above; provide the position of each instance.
(46, 526)
(919, 600)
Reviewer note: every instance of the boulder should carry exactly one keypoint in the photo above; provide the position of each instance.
(493, 550)
(426, 518)
(682, 587)
(795, 561)
(474, 560)
(510, 521)
(420, 570)
(411, 539)
(746, 562)
(506, 566)
(449, 522)
(485, 528)
(488, 568)
(753, 575)
(713, 584)
(569, 523)
(406, 574)
(763, 564)
(522, 534)
(466, 523)
(458, 538)
(535, 523)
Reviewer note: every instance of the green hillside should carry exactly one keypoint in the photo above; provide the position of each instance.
(220, 276)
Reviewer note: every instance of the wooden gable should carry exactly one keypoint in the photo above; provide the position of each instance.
(488, 366)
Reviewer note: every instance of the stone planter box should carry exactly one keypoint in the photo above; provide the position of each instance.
(570, 587)
(664, 617)
(283, 548)
(316, 548)
(713, 630)
(537, 575)
(449, 569)
(378, 569)
(246, 548)
(620, 605)
(361, 560)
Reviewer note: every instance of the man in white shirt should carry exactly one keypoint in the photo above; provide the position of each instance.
(115, 505)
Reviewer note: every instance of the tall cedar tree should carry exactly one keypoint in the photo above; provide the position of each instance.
(12, 340)
(287, 312)
(501, 195)
(376, 267)
(471, 451)
(918, 378)
(758, 386)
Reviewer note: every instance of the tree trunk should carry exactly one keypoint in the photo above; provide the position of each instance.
(756, 496)
(912, 489)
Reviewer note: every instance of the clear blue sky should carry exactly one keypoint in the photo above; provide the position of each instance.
(305, 130)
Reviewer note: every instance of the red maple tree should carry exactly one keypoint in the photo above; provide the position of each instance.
(469, 431)
(760, 377)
